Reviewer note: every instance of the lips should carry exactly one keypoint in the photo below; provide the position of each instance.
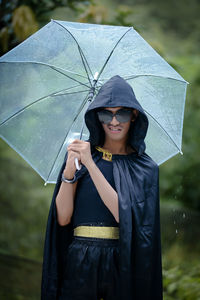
(114, 130)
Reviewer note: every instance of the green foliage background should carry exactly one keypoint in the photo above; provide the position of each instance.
(172, 29)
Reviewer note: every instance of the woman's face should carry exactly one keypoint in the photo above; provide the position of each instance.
(114, 129)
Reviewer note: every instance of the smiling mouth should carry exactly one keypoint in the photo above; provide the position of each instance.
(115, 130)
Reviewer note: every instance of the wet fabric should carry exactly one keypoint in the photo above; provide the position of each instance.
(91, 270)
(136, 178)
(88, 205)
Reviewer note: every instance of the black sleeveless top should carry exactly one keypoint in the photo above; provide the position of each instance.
(88, 205)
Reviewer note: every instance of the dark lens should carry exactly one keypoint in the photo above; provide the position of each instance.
(104, 116)
(124, 115)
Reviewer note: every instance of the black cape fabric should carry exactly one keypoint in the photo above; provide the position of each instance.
(136, 178)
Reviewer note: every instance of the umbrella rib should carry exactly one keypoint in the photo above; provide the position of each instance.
(79, 110)
(57, 69)
(36, 101)
(82, 58)
(160, 76)
(113, 51)
(41, 63)
(140, 75)
(163, 130)
(79, 48)
(69, 88)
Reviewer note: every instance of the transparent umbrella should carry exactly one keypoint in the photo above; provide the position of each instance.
(48, 81)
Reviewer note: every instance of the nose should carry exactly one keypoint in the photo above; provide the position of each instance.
(114, 121)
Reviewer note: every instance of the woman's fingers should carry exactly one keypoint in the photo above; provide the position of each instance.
(76, 141)
(76, 147)
(74, 153)
(83, 149)
(79, 145)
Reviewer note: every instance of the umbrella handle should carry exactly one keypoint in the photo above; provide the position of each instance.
(77, 164)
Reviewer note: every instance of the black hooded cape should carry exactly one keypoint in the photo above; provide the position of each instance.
(136, 178)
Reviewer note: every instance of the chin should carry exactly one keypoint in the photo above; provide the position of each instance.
(115, 137)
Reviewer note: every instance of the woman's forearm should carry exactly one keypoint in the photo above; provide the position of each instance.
(65, 202)
(105, 190)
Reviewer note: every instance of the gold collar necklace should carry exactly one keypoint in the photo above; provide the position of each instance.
(106, 154)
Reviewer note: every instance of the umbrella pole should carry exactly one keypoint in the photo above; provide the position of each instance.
(90, 98)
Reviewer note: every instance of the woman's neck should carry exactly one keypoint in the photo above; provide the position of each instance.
(116, 148)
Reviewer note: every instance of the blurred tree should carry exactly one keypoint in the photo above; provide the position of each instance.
(99, 14)
(181, 17)
(172, 29)
(122, 14)
(21, 18)
(95, 13)
(181, 173)
(24, 22)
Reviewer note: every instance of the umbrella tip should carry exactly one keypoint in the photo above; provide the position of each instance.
(96, 75)
(181, 152)
(45, 183)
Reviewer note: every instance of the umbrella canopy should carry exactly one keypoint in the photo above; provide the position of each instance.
(46, 84)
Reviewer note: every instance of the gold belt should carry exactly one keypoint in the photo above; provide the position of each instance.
(103, 232)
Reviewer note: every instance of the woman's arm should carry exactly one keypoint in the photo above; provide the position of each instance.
(65, 202)
(105, 190)
(66, 193)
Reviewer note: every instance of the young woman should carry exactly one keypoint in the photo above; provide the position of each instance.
(103, 232)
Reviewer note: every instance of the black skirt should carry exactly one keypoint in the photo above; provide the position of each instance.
(91, 270)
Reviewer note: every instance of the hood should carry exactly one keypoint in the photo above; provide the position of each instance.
(117, 92)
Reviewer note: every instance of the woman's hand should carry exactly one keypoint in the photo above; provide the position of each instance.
(83, 151)
(70, 167)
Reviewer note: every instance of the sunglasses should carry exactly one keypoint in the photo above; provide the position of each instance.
(122, 115)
